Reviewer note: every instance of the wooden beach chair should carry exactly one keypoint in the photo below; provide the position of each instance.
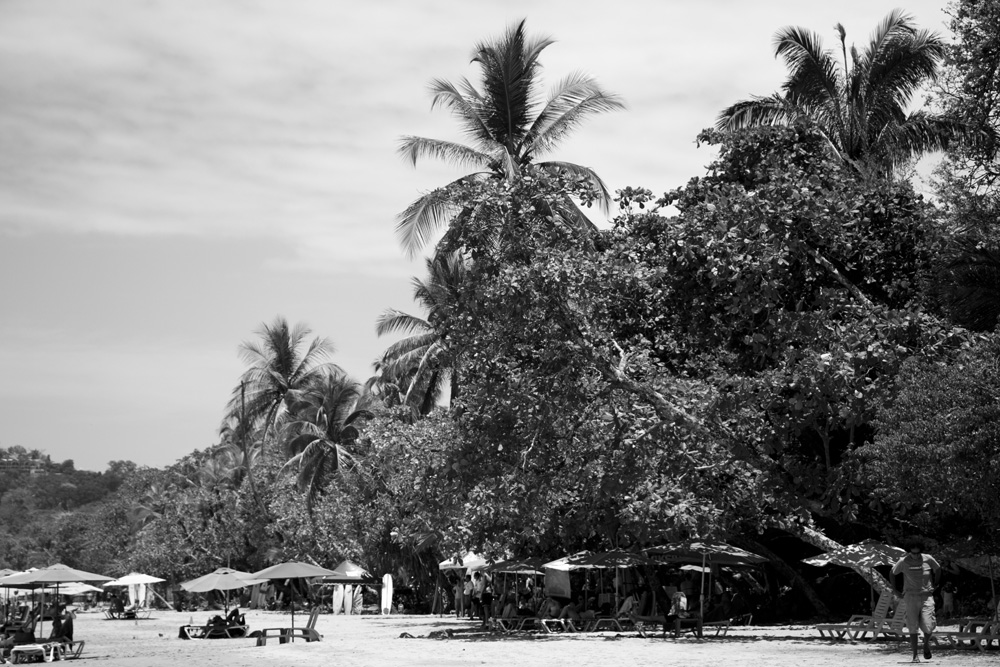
(285, 635)
(860, 624)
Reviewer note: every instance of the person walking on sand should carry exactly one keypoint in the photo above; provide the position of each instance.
(921, 574)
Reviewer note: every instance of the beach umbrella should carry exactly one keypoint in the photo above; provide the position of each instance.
(615, 559)
(135, 582)
(706, 552)
(54, 574)
(78, 589)
(222, 579)
(293, 570)
(517, 566)
(469, 561)
(610, 560)
(566, 562)
(349, 573)
(134, 579)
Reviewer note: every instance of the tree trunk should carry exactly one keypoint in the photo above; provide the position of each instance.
(821, 541)
(798, 581)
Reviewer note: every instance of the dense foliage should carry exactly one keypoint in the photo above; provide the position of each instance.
(775, 348)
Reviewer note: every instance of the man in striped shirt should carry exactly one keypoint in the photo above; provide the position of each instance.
(921, 574)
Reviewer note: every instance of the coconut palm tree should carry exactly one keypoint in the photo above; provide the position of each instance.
(859, 105)
(277, 365)
(419, 365)
(508, 127)
(324, 422)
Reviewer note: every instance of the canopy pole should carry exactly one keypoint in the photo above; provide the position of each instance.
(701, 609)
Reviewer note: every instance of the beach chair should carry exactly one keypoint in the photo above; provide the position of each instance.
(70, 650)
(214, 631)
(718, 628)
(285, 635)
(46, 652)
(975, 633)
(679, 626)
(860, 624)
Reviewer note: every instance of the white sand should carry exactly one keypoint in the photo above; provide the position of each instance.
(374, 641)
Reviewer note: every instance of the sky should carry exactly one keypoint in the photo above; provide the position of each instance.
(174, 173)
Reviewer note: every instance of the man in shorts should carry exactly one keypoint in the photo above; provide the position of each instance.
(921, 574)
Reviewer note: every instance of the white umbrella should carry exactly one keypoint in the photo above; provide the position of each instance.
(469, 561)
(293, 570)
(53, 574)
(222, 579)
(133, 579)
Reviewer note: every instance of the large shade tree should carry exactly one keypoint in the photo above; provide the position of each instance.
(857, 99)
(508, 127)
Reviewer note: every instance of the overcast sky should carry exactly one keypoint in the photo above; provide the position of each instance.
(173, 173)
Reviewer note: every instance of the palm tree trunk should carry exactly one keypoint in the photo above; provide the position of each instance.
(798, 581)
(246, 452)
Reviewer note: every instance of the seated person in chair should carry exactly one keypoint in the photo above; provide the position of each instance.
(678, 609)
(17, 637)
(117, 606)
(62, 626)
(235, 618)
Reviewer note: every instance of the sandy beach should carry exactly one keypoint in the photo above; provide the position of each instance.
(375, 640)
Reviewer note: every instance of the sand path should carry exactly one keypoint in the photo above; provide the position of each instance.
(364, 641)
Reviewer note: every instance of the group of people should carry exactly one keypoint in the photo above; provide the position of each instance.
(478, 596)
(19, 629)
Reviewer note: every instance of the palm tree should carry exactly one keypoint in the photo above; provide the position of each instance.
(420, 364)
(506, 132)
(859, 106)
(324, 419)
(277, 366)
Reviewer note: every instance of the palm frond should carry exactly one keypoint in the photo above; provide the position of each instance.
(574, 98)
(405, 346)
(467, 108)
(392, 320)
(896, 75)
(412, 149)
(423, 218)
(508, 68)
(922, 132)
(604, 198)
(813, 81)
(758, 111)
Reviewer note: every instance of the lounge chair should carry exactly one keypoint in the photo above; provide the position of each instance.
(71, 649)
(285, 635)
(859, 625)
(976, 633)
(46, 652)
(214, 631)
(679, 626)
(233, 626)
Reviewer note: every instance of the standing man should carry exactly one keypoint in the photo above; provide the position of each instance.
(921, 574)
